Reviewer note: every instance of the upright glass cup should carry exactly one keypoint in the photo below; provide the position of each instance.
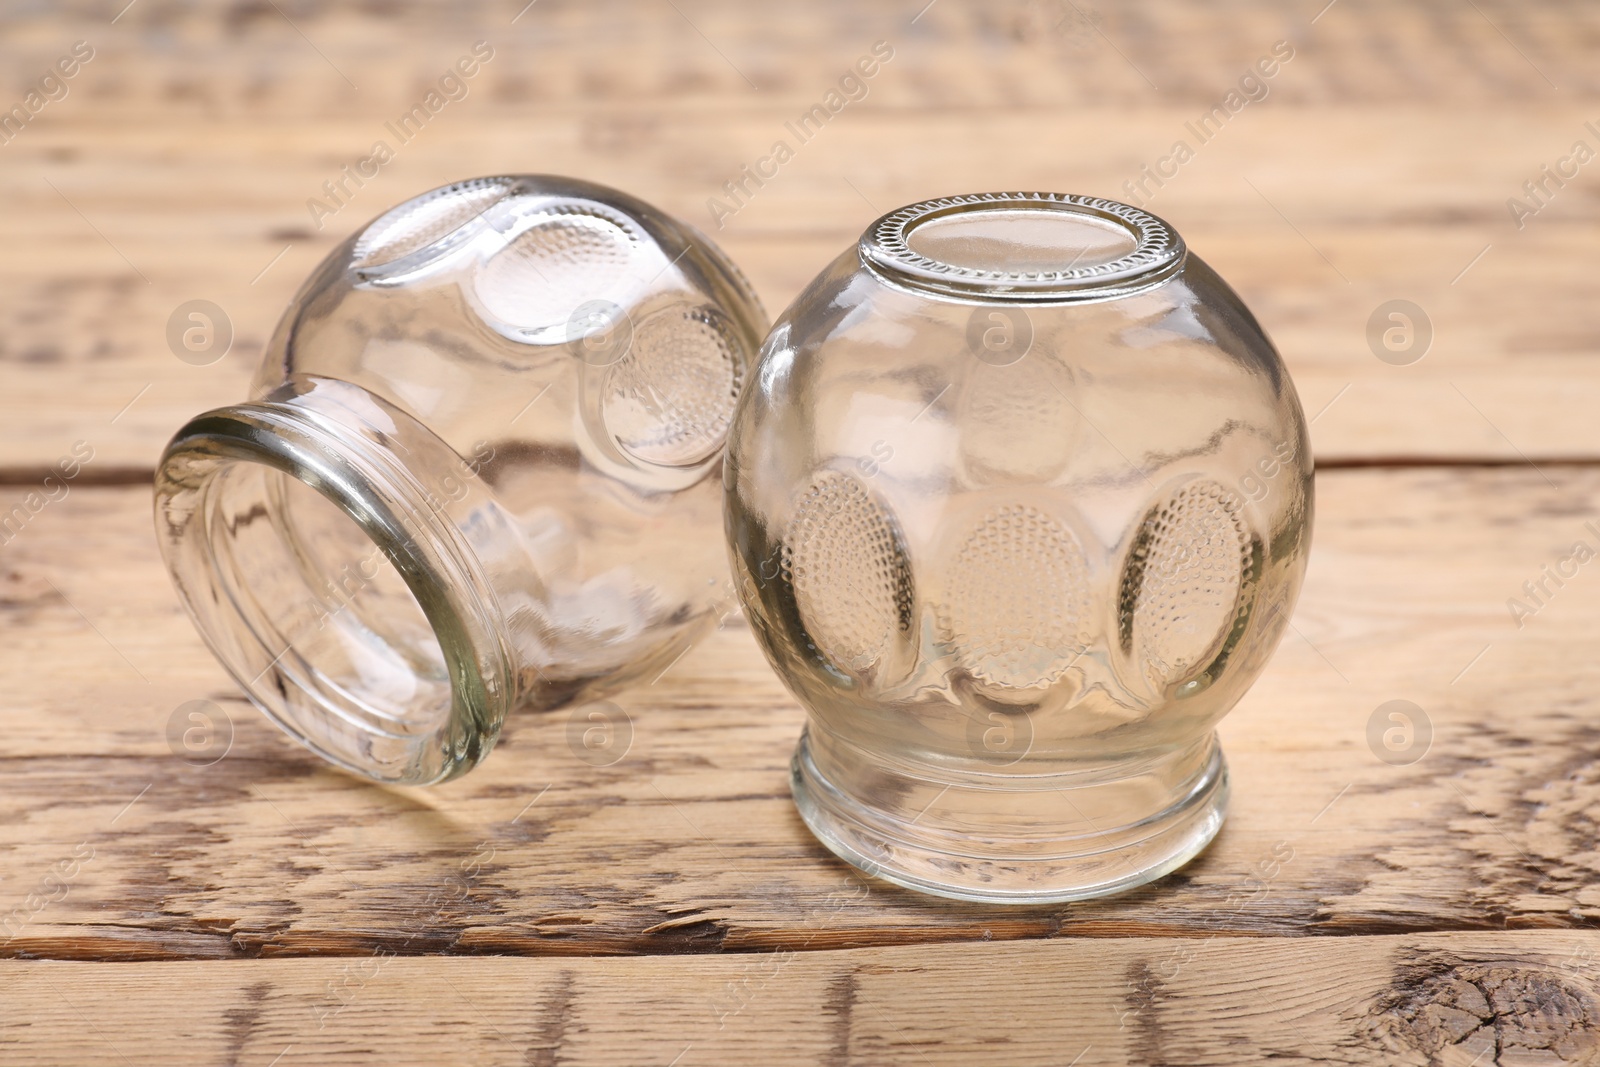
(477, 474)
(1019, 501)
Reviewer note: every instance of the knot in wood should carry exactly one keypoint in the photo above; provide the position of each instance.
(1502, 1011)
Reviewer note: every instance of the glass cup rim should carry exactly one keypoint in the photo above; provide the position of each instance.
(374, 489)
(1158, 252)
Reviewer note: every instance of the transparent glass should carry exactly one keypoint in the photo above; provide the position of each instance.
(478, 473)
(1018, 503)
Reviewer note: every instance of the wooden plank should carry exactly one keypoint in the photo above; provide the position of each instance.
(1504, 377)
(1012, 52)
(1358, 180)
(690, 842)
(1486, 998)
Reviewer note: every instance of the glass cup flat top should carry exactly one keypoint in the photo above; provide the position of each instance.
(1041, 247)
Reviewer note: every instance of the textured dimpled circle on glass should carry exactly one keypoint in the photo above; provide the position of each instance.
(1018, 500)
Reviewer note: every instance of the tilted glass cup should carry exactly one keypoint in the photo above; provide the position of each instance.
(1018, 501)
(477, 474)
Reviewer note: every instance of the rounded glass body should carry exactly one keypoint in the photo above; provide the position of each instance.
(478, 473)
(1018, 502)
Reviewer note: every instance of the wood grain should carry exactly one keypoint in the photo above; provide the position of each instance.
(670, 908)
(1378, 167)
(1503, 998)
(690, 842)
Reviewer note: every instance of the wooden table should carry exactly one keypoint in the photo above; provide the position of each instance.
(671, 908)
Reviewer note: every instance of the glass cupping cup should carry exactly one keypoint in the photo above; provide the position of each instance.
(478, 473)
(1018, 500)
